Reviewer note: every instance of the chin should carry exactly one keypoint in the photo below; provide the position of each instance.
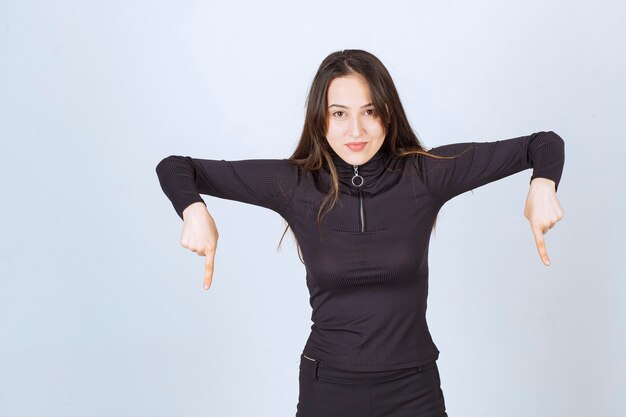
(357, 159)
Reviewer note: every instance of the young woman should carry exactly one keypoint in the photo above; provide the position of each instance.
(361, 195)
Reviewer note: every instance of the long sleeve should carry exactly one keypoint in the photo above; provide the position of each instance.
(480, 163)
(268, 183)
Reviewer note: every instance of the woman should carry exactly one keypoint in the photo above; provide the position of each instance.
(361, 195)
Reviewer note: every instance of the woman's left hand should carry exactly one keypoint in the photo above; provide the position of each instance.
(542, 211)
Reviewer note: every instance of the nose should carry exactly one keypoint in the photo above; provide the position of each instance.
(357, 128)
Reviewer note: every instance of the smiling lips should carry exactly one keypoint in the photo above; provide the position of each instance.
(356, 146)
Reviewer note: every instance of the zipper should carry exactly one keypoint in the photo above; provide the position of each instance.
(358, 184)
(361, 211)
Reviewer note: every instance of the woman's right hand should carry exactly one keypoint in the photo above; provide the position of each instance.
(200, 235)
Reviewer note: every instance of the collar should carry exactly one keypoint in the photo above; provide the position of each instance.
(370, 171)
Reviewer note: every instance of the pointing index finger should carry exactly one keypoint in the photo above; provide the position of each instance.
(541, 246)
(208, 269)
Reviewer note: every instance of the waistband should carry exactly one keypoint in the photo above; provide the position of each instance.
(319, 370)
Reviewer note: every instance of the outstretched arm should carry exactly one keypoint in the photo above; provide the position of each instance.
(479, 163)
(267, 183)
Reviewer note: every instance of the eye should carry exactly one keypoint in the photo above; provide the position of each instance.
(335, 113)
(373, 112)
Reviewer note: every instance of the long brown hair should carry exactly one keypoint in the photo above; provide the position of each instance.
(313, 151)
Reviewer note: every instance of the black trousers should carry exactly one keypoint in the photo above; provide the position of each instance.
(326, 391)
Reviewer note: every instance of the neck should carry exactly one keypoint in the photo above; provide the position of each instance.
(369, 170)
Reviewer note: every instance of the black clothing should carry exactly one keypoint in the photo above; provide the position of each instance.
(328, 391)
(367, 274)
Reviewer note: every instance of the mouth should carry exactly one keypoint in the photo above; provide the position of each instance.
(356, 146)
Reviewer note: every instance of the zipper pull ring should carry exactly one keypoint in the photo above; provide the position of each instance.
(356, 175)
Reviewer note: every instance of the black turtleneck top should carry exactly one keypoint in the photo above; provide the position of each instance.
(367, 272)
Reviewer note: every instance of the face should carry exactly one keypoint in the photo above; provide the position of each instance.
(352, 118)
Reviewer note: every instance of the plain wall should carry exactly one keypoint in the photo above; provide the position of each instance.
(102, 312)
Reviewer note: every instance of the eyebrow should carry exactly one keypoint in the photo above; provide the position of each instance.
(345, 107)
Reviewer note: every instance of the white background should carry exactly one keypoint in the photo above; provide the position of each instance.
(102, 312)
